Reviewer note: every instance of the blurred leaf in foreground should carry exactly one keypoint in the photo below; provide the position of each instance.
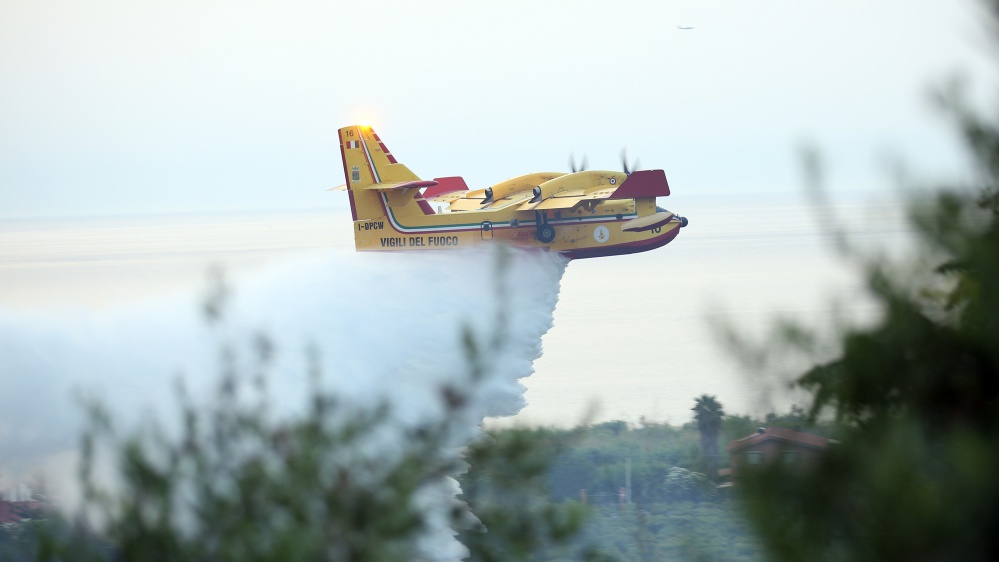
(917, 397)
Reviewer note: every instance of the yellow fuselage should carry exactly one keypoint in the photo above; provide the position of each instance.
(578, 233)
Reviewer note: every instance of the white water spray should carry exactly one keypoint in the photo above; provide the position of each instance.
(386, 328)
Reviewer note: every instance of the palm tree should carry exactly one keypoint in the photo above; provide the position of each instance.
(708, 414)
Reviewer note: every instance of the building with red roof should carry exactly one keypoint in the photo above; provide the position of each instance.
(774, 445)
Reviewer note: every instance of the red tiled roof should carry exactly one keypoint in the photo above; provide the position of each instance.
(12, 512)
(780, 434)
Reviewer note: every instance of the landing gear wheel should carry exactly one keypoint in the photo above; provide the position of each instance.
(546, 233)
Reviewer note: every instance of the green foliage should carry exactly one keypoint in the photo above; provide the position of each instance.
(917, 394)
(595, 461)
(671, 531)
(685, 485)
(20, 541)
(593, 458)
(708, 414)
(239, 484)
(917, 397)
(677, 513)
(615, 428)
(506, 488)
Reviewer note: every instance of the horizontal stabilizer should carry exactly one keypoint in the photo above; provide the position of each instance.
(385, 186)
(445, 186)
(647, 222)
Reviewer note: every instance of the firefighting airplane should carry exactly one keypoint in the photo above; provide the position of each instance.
(583, 214)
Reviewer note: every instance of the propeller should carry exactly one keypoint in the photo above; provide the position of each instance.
(572, 164)
(624, 163)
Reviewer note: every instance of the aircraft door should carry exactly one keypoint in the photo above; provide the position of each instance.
(486, 230)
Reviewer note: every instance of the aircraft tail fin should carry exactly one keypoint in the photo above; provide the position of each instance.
(366, 162)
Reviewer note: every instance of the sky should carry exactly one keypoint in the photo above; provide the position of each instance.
(120, 107)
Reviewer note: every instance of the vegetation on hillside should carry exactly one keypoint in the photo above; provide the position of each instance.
(916, 394)
(277, 497)
(708, 414)
(675, 512)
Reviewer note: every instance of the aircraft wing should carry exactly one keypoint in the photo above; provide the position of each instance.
(447, 197)
(463, 204)
(642, 183)
(600, 194)
(552, 203)
(477, 203)
(568, 199)
(386, 186)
